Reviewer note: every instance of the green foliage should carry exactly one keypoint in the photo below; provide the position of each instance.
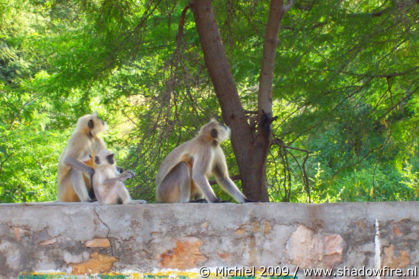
(345, 89)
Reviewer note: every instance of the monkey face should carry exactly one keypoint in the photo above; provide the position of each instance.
(105, 157)
(225, 132)
(92, 123)
(215, 130)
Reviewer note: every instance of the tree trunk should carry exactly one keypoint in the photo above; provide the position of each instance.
(265, 116)
(251, 149)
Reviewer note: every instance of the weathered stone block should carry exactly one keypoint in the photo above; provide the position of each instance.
(98, 243)
(79, 238)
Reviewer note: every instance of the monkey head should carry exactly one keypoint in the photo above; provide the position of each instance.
(91, 124)
(104, 157)
(215, 131)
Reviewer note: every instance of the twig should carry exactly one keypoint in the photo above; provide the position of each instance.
(284, 150)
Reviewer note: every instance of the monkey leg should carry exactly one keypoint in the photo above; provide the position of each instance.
(123, 192)
(66, 191)
(92, 195)
(176, 186)
(196, 195)
(117, 193)
(78, 185)
(111, 196)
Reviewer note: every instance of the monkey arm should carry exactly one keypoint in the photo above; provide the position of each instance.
(79, 186)
(121, 178)
(228, 185)
(199, 170)
(111, 181)
(79, 166)
(221, 175)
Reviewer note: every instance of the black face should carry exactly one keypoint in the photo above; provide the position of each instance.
(110, 159)
(214, 133)
(91, 124)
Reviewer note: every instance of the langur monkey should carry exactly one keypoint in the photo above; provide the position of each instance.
(108, 181)
(84, 142)
(184, 173)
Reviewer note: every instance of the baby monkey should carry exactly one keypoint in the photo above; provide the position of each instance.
(108, 181)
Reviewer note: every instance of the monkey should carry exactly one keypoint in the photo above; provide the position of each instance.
(183, 174)
(91, 163)
(108, 182)
(83, 142)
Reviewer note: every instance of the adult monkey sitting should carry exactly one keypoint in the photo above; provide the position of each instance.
(83, 143)
(184, 173)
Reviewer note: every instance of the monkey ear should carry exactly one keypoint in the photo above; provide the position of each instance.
(214, 133)
(91, 124)
(97, 160)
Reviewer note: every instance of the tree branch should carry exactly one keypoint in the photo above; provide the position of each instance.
(288, 6)
(216, 61)
(276, 12)
(283, 149)
(4, 161)
(386, 75)
(181, 24)
(221, 76)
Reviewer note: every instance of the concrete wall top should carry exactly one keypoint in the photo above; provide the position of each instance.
(80, 238)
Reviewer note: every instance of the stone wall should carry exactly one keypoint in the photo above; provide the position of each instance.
(79, 238)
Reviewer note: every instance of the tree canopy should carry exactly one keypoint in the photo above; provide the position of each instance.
(344, 91)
